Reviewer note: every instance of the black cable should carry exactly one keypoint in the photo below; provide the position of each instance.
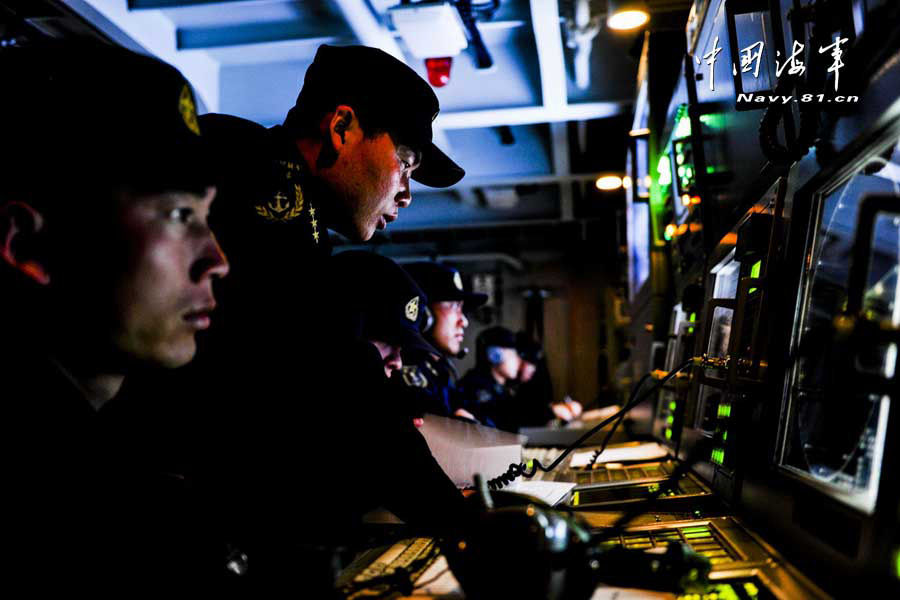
(615, 426)
(521, 469)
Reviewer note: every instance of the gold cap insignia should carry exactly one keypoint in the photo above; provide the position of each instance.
(457, 281)
(412, 309)
(188, 110)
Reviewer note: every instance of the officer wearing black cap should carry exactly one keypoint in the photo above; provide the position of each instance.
(342, 160)
(106, 267)
(488, 389)
(430, 378)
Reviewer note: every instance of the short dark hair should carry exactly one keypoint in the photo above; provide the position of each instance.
(303, 121)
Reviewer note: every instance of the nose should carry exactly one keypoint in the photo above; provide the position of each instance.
(463, 321)
(211, 261)
(393, 360)
(404, 198)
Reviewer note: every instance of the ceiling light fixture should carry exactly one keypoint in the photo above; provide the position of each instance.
(624, 15)
(609, 182)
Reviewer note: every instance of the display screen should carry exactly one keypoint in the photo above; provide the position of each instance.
(638, 246)
(836, 427)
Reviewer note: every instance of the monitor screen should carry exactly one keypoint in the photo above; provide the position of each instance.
(638, 246)
(835, 429)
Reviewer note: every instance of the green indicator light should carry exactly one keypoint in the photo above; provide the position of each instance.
(690, 330)
(751, 290)
(668, 434)
(530, 464)
(710, 170)
(755, 269)
(670, 419)
(682, 128)
(724, 410)
(693, 318)
(672, 405)
(681, 171)
(724, 436)
(697, 529)
(897, 563)
(679, 159)
(664, 169)
(751, 589)
(678, 147)
(688, 172)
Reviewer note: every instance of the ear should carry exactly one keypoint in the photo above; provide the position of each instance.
(20, 227)
(343, 127)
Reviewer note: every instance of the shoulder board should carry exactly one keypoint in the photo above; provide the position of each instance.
(413, 377)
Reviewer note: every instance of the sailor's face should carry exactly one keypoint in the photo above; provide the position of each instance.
(166, 260)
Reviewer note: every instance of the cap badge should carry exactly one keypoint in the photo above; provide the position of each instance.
(457, 281)
(188, 110)
(412, 309)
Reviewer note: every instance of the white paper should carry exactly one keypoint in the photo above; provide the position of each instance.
(615, 593)
(439, 581)
(550, 492)
(648, 451)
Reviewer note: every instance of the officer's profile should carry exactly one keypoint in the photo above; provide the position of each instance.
(360, 130)
(106, 266)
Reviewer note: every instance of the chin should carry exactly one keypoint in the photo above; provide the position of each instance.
(178, 355)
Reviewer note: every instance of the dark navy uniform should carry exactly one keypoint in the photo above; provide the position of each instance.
(90, 506)
(493, 404)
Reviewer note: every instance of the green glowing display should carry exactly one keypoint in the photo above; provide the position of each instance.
(755, 269)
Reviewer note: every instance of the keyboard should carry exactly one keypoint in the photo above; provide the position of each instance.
(387, 570)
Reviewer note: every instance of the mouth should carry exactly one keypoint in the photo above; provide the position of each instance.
(384, 219)
(199, 319)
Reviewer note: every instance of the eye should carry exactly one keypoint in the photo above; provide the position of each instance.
(406, 164)
(181, 214)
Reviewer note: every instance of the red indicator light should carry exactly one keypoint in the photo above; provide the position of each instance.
(438, 70)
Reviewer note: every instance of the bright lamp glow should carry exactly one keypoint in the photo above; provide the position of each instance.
(609, 182)
(627, 19)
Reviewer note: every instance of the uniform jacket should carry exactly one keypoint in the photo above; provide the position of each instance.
(490, 402)
(87, 504)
